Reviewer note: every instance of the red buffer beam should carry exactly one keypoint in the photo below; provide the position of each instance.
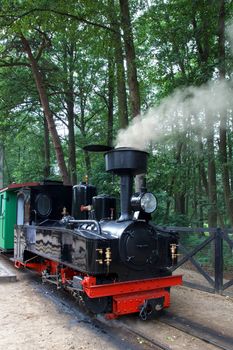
(97, 291)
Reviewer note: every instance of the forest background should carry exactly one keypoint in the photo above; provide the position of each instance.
(74, 73)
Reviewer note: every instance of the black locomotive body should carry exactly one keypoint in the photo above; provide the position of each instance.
(137, 250)
(115, 266)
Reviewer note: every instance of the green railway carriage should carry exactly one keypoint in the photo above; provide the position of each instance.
(7, 219)
(8, 202)
(8, 214)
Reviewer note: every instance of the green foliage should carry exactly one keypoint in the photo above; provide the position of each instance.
(24, 155)
(176, 46)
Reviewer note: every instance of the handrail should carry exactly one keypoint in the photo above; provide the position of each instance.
(87, 222)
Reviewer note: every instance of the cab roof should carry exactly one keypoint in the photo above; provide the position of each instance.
(15, 186)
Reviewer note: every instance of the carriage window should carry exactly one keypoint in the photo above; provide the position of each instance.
(20, 210)
(43, 204)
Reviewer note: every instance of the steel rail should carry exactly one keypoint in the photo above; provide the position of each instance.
(202, 332)
(144, 337)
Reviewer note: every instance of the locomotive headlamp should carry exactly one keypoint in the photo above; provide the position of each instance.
(144, 201)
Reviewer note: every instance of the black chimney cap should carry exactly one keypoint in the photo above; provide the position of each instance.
(125, 160)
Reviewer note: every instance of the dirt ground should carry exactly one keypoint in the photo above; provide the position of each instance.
(31, 321)
(210, 310)
(215, 311)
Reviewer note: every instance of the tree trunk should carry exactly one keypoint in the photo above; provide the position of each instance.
(110, 101)
(223, 118)
(87, 158)
(71, 146)
(179, 194)
(212, 183)
(200, 199)
(201, 35)
(1, 165)
(180, 203)
(46, 150)
(171, 187)
(202, 170)
(131, 71)
(87, 163)
(130, 58)
(47, 111)
(69, 100)
(230, 158)
(120, 70)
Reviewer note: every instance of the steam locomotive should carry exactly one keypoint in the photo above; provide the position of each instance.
(114, 266)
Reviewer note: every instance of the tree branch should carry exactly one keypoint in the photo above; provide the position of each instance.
(13, 64)
(59, 118)
(46, 42)
(103, 97)
(78, 18)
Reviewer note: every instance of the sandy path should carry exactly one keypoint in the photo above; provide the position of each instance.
(30, 320)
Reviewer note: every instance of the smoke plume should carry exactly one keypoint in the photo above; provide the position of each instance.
(192, 107)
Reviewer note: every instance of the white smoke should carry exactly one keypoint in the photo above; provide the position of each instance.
(180, 111)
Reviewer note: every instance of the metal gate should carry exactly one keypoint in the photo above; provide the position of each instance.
(218, 239)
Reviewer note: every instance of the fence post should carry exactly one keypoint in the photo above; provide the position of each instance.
(218, 261)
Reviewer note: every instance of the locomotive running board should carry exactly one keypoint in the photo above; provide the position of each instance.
(133, 296)
(103, 290)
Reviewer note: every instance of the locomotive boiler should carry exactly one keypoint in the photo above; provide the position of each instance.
(113, 265)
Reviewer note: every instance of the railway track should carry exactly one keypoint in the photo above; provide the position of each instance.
(122, 333)
(127, 336)
(193, 329)
(197, 330)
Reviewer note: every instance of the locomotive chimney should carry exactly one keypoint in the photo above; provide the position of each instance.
(126, 162)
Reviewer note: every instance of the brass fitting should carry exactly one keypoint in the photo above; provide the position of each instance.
(108, 259)
(99, 261)
(108, 255)
(173, 249)
(100, 252)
